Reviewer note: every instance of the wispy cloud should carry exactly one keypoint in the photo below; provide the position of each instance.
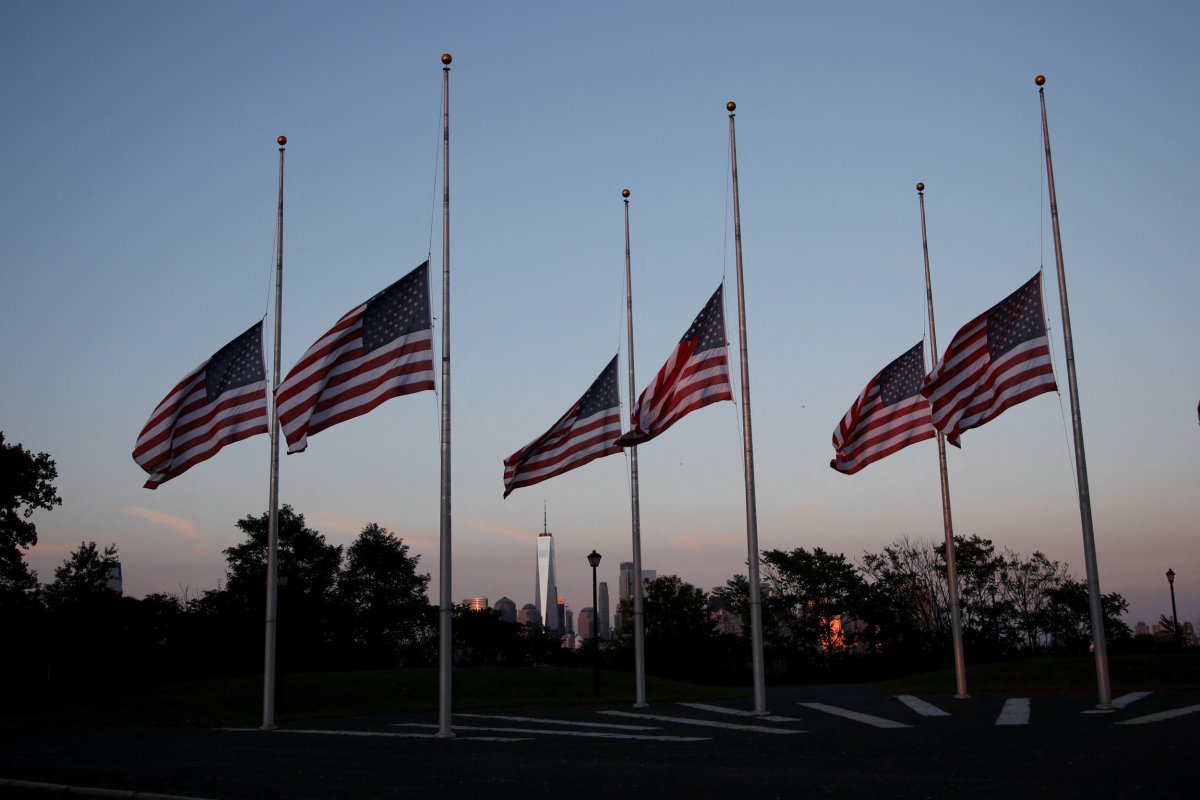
(44, 549)
(699, 542)
(184, 527)
(488, 526)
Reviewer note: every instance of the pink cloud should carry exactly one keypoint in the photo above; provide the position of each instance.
(184, 527)
(488, 526)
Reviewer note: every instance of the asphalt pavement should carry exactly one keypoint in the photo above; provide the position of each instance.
(816, 741)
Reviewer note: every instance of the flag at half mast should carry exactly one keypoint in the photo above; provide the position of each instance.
(889, 415)
(380, 349)
(997, 360)
(224, 400)
(588, 431)
(695, 375)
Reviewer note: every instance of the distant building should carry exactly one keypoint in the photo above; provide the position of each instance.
(565, 623)
(476, 603)
(113, 580)
(507, 609)
(626, 578)
(1141, 629)
(724, 620)
(529, 615)
(587, 622)
(545, 584)
(605, 626)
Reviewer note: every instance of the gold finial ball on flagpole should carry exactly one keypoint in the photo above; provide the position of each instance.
(446, 59)
(731, 106)
(282, 140)
(1040, 80)
(920, 187)
(624, 193)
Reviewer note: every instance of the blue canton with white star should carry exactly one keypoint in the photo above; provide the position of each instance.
(238, 363)
(398, 310)
(1016, 319)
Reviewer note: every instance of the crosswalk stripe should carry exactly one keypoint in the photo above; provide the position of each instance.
(386, 734)
(1015, 712)
(559, 732)
(704, 723)
(570, 723)
(1126, 699)
(1160, 716)
(867, 719)
(737, 712)
(922, 707)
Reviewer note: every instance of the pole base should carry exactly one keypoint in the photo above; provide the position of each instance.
(963, 696)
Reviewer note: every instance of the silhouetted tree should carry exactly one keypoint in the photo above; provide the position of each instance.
(26, 484)
(308, 571)
(383, 600)
(811, 595)
(1067, 617)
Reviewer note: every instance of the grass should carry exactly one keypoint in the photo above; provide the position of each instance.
(237, 702)
(1156, 672)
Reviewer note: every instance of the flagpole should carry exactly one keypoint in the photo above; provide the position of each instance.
(268, 722)
(960, 669)
(639, 624)
(1085, 502)
(760, 694)
(446, 605)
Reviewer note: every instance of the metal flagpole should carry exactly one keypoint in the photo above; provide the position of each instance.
(639, 623)
(760, 694)
(445, 634)
(960, 669)
(1085, 502)
(268, 722)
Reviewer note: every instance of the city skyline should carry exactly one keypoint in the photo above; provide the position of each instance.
(137, 236)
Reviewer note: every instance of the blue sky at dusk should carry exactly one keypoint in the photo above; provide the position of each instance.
(137, 226)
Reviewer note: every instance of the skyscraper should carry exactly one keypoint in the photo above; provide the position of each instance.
(545, 595)
(602, 619)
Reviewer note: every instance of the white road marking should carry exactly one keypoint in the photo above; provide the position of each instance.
(737, 712)
(922, 707)
(546, 721)
(557, 732)
(867, 719)
(704, 723)
(1126, 699)
(1160, 716)
(1015, 712)
(387, 734)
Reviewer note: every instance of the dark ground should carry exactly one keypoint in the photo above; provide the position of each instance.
(1061, 753)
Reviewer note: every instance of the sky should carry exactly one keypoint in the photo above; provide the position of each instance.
(137, 228)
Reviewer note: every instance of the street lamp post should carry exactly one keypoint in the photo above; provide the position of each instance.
(594, 559)
(1174, 615)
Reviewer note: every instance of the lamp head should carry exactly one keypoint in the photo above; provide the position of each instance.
(594, 559)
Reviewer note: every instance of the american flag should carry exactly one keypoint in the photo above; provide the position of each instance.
(889, 415)
(378, 350)
(588, 431)
(696, 374)
(224, 400)
(998, 359)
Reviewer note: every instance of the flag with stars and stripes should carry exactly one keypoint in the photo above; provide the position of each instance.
(998, 359)
(222, 401)
(889, 415)
(378, 350)
(588, 431)
(696, 374)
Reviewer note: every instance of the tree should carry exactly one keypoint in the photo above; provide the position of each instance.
(83, 576)
(383, 597)
(1067, 616)
(308, 571)
(26, 484)
(811, 595)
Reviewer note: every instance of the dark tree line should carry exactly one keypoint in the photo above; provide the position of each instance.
(366, 606)
(827, 618)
